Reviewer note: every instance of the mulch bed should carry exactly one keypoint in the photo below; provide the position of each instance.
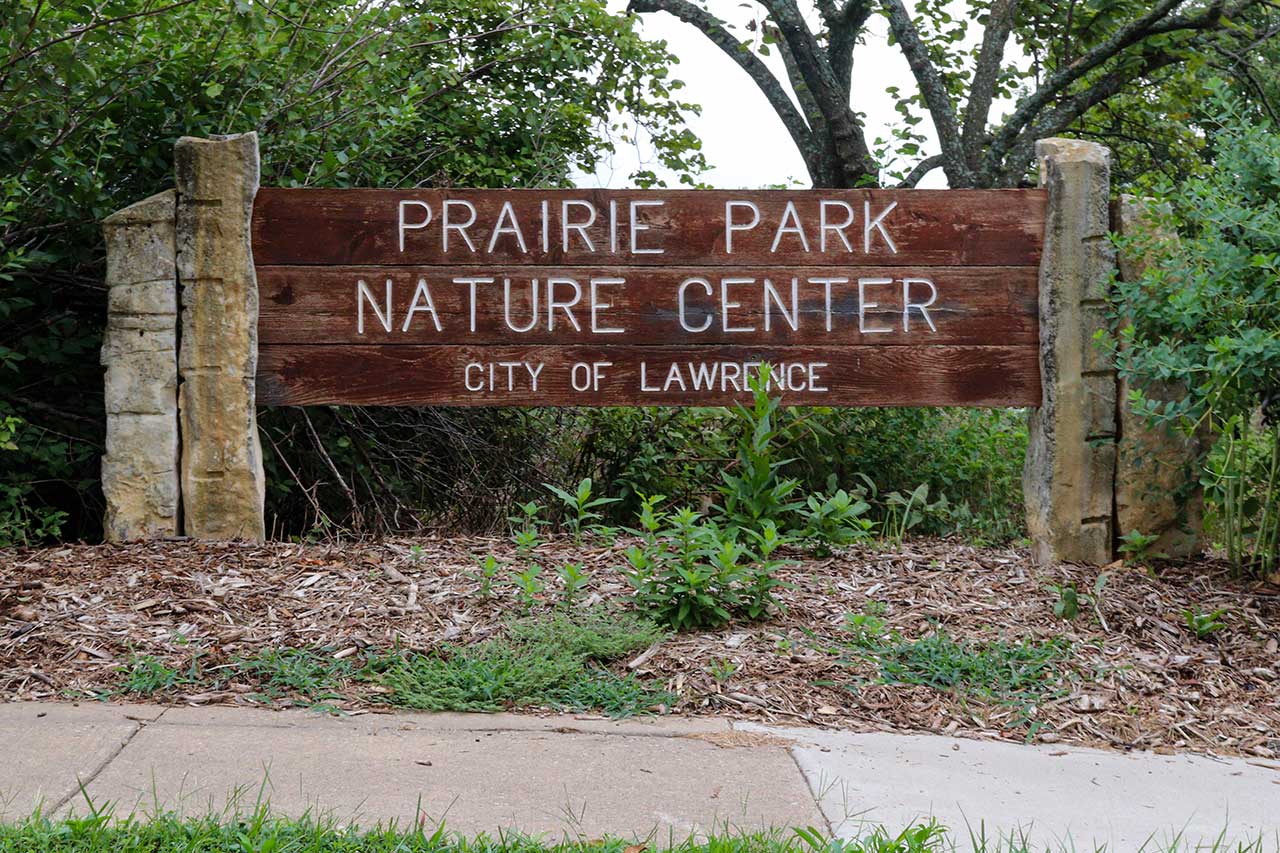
(71, 616)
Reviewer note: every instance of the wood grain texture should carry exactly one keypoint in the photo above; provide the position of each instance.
(929, 227)
(298, 374)
(974, 306)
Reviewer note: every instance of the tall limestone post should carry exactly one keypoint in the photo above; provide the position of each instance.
(139, 352)
(223, 486)
(1069, 477)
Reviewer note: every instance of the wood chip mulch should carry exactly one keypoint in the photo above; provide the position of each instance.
(71, 616)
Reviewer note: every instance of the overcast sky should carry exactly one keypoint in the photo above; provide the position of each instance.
(744, 141)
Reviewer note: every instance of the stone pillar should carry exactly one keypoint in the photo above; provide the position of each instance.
(223, 487)
(1068, 479)
(1158, 489)
(139, 352)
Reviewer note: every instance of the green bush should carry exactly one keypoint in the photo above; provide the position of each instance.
(424, 92)
(752, 489)
(22, 522)
(1204, 317)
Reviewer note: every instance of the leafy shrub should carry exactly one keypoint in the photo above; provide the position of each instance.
(753, 491)
(1203, 317)
(1204, 625)
(1137, 546)
(866, 628)
(21, 522)
(690, 573)
(572, 580)
(834, 521)
(580, 507)
(970, 460)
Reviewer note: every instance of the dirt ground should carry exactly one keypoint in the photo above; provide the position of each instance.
(71, 616)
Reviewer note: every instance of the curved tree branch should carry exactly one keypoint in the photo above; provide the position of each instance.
(1071, 109)
(921, 169)
(934, 90)
(844, 25)
(711, 26)
(986, 73)
(1155, 21)
(852, 155)
(808, 104)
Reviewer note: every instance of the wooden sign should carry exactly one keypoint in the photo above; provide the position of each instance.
(574, 297)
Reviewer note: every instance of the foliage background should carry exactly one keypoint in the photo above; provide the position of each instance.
(1204, 318)
(342, 92)
(445, 92)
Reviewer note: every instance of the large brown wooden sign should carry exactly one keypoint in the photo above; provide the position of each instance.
(572, 297)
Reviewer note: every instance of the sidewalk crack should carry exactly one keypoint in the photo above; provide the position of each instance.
(83, 783)
(813, 792)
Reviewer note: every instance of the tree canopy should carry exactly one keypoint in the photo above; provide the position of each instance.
(342, 92)
(1061, 66)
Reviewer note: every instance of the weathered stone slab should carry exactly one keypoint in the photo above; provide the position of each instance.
(140, 467)
(222, 478)
(1158, 489)
(51, 748)
(1068, 479)
(1044, 797)
(479, 775)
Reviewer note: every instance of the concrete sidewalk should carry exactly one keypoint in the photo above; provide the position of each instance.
(574, 776)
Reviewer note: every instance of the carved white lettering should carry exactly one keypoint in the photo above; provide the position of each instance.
(404, 225)
(363, 293)
(681, 306)
(877, 224)
(863, 304)
(835, 227)
(421, 294)
(789, 215)
(566, 306)
(771, 293)
(533, 306)
(637, 227)
(507, 215)
(922, 307)
(598, 305)
(447, 224)
(730, 226)
(567, 224)
(726, 303)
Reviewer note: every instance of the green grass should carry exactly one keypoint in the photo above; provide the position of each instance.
(1018, 674)
(259, 831)
(147, 674)
(312, 673)
(557, 661)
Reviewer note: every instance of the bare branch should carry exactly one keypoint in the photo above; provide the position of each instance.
(1071, 109)
(843, 28)
(853, 156)
(921, 169)
(741, 54)
(1125, 37)
(812, 112)
(986, 74)
(934, 90)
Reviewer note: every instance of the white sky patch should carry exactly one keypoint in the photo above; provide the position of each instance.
(744, 141)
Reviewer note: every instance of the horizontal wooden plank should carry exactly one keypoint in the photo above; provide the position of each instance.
(955, 305)
(298, 374)
(884, 227)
